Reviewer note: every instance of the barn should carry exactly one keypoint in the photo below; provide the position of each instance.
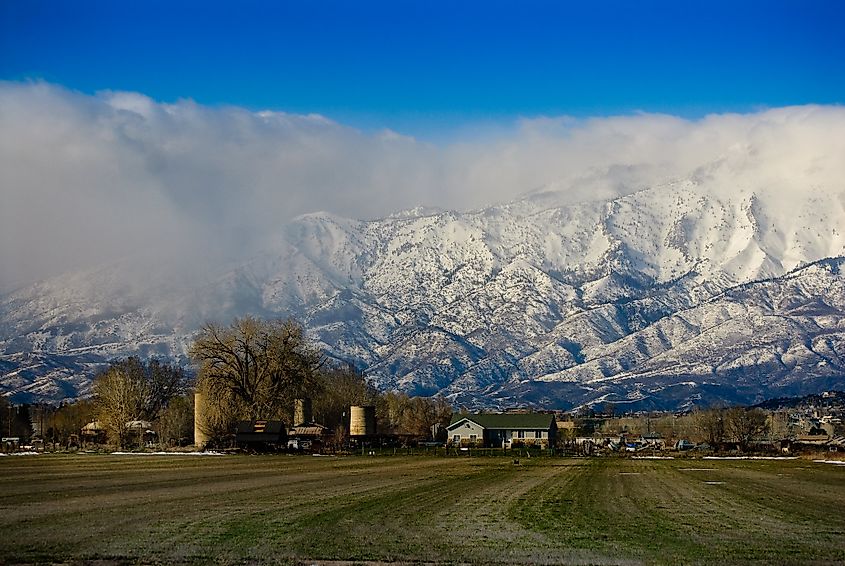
(261, 435)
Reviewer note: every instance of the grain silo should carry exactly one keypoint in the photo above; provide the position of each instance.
(200, 437)
(362, 421)
(302, 412)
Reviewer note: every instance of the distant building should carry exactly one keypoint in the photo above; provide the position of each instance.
(307, 436)
(94, 433)
(503, 430)
(140, 433)
(261, 435)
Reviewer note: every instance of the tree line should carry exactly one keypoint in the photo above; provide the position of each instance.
(251, 369)
(739, 425)
(254, 369)
(716, 426)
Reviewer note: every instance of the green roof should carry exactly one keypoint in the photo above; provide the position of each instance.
(509, 420)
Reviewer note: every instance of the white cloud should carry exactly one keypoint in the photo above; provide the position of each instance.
(86, 179)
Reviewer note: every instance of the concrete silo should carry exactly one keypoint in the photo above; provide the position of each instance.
(302, 412)
(200, 407)
(362, 421)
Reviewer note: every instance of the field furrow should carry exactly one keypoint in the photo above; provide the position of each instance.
(283, 509)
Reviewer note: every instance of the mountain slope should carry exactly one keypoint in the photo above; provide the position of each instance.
(678, 294)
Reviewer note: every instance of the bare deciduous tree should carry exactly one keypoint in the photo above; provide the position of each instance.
(68, 419)
(744, 425)
(340, 388)
(257, 367)
(711, 426)
(176, 421)
(131, 389)
(414, 416)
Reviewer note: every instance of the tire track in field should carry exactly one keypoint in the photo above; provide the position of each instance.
(603, 511)
(298, 514)
(480, 515)
(109, 518)
(205, 484)
(390, 524)
(685, 515)
(489, 526)
(777, 517)
(746, 527)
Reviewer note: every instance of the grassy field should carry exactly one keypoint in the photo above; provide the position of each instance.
(251, 509)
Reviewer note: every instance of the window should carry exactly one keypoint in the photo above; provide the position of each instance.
(538, 434)
(456, 438)
(473, 438)
(520, 434)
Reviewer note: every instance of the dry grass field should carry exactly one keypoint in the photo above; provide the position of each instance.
(287, 509)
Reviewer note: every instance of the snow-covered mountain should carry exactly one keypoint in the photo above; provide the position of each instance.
(688, 292)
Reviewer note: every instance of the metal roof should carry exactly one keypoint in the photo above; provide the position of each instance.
(310, 429)
(508, 420)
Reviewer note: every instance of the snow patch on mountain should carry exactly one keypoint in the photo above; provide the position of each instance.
(683, 293)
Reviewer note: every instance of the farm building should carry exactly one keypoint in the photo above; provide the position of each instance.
(261, 435)
(307, 436)
(140, 432)
(503, 430)
(94, 433)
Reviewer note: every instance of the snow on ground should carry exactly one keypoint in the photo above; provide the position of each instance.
(167, 454)
(750, 458)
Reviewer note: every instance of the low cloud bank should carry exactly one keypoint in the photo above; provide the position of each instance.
(90, 179)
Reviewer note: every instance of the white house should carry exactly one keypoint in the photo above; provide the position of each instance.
(503, 430)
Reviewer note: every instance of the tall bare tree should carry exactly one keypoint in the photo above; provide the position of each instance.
(132, 389)
(68, 419)
(261, 365)
(176, 421)
(710, 424)
(414, 416)
(744, 425)
(341, 387)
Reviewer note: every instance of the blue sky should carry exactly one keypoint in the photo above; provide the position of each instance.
(486, 88)
(434, 68)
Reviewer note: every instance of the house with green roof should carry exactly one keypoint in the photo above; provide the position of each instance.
(503, 430)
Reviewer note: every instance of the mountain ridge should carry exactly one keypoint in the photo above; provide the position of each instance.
(519, 303)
